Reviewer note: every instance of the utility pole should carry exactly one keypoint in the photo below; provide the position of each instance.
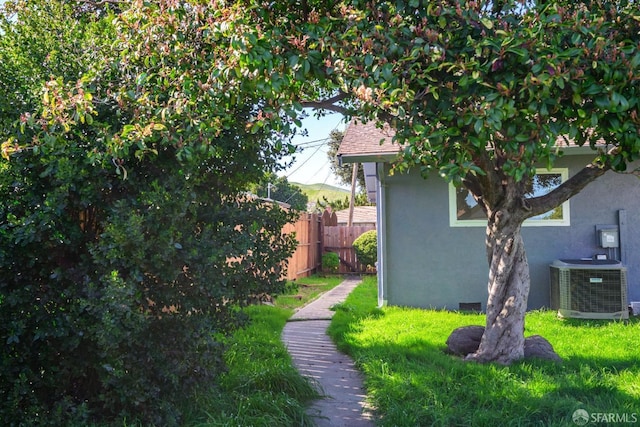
(269, 187)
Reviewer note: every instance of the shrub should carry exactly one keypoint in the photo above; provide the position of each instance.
(115, 312)
(126, 248)
(366, 247)
(330, 262)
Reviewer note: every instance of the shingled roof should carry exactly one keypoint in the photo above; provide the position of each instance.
(366, 140)
(361, 215)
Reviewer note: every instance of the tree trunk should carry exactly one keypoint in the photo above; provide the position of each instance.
(503, 339)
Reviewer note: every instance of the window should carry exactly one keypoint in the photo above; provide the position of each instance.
(465, 212)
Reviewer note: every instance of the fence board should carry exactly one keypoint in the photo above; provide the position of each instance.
(307, 257)
(314, 239)
(339, 239)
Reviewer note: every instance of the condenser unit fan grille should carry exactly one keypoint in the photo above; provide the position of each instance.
(589, 293)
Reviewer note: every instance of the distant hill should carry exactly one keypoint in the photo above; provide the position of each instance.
(317, 191)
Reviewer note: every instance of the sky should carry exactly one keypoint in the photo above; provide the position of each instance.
(311, 165)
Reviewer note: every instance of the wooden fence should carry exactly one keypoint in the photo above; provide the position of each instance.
(307, 257)
(315, 236)
(339, 239)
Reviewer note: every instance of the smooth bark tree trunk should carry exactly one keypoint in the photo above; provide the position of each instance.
(503, 339)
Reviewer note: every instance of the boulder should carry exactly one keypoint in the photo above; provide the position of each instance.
(538, 347)
(464, 340)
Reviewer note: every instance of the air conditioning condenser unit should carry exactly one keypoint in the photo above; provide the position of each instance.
(589, 289)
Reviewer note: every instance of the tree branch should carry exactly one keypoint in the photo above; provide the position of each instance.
(566, 190)
(329, 104)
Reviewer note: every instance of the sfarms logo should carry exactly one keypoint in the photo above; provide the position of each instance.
(581, 417)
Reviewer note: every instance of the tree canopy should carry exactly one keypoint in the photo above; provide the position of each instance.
(279, 189)
(344, 172)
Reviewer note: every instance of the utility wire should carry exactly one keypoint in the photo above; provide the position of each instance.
(303, 163)
(323, 141)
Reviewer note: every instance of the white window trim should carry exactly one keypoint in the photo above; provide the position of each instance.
(564, 222)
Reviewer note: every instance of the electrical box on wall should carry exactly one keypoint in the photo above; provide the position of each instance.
(607, 236)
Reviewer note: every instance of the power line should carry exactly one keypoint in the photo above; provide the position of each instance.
(302, 164)
(313, 146)
(323, 141)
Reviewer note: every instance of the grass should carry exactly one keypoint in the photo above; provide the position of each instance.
(262, 387)
(306, 290)
(412, 382)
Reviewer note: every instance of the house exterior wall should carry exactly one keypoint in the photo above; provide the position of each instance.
(430, 264)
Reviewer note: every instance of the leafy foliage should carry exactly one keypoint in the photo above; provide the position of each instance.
(281, 190)
(330, 262)
(366, 247)
(127, 245)
(344, 172)
(482, 94)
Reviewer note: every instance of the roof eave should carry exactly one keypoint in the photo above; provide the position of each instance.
(374, 157)
(368, 158)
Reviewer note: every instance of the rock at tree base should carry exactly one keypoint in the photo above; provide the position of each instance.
(466, 340)
(537, 346)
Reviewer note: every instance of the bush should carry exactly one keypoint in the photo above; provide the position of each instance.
(330, 262)
(126, 246)
(366, 247)
(115, 312)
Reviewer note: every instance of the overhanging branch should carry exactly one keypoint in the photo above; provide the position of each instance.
(566, 190)
(330, 104)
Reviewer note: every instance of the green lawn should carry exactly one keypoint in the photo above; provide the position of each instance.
(413, 382)
(261, 387)
(410, 379)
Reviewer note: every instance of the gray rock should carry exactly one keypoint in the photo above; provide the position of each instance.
(465, 340)
(538, 347)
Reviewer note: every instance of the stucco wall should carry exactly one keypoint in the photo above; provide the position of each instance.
(430, 264)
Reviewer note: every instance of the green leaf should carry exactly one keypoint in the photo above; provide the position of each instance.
(621, 100)
(127, 129)
(603, 101)
(577, 99)
(368, 60)
(487, 23)
(522, 53)
(478, 125)
(387, 71)
(593, 89)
